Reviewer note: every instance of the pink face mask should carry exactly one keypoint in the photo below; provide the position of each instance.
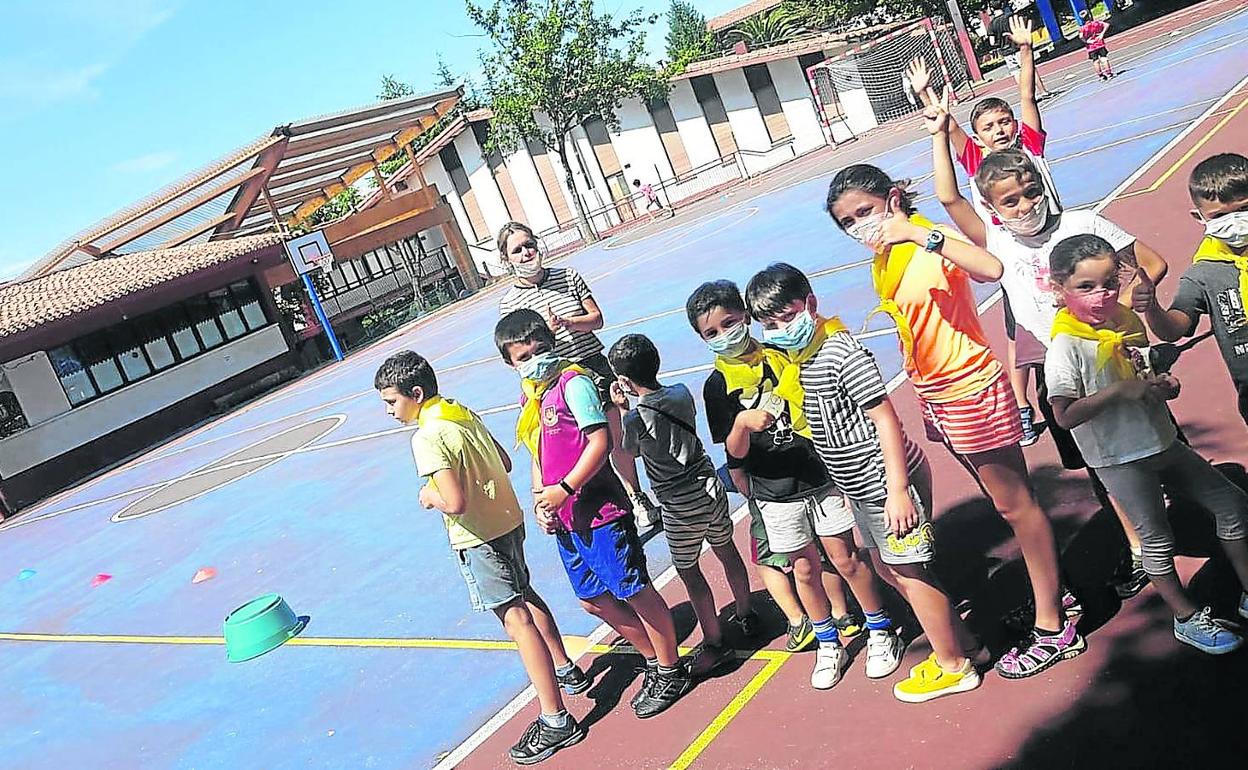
(1093, 308)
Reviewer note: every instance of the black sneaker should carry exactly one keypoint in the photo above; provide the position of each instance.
(574, 682)
(540, 741)
(709, 658)
(665, 690)
(749, 624)
(1132, 583)
(646, 683)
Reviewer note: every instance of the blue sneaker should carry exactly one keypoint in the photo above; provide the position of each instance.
(1028, 416)
(1207, 633)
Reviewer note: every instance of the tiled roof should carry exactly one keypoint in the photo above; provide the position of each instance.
(740, 14)
(829, 42)
(27, 304)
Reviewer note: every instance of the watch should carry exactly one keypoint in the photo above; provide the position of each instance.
(935, 239)
(567, 487)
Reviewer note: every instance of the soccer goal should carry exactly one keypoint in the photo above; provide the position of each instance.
(864, 85)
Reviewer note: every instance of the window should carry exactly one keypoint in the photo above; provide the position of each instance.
(249, 304)
(231, 320)
(155, 341)
(178, 323)
(97, 356)
(129, 352)
(204, 317)
(72, 374)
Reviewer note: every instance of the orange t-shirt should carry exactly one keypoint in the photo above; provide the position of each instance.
(951, 358)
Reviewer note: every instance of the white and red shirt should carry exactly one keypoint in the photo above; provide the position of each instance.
(1031, 142)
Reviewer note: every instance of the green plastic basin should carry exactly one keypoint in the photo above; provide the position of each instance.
(259, 626)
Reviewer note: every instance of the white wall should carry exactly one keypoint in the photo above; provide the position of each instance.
(561, 173)
(691, 124)
(435, 174)
(798, 104)
(493, 208)
(106, 414)
(747, 123)
(38, 391)
(638, 144)
(529, 187)
(597, 194)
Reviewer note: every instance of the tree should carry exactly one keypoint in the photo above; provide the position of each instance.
(443, 75)
(564, 61)
(687, 36)
(393, 89)
(765, 28)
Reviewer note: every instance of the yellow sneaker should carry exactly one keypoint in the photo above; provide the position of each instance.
(928, 681)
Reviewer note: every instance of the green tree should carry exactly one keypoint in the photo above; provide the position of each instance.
(765, 28)
(443, 75)
(564, 61)
(391, 88)
(687, 36)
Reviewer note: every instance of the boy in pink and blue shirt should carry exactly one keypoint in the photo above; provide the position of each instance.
(580, 501)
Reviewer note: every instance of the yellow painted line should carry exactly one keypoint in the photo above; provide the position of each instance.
(1188, 155)
(774, 661)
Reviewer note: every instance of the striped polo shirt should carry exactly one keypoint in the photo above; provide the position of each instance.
(562, 291)
(841, 381)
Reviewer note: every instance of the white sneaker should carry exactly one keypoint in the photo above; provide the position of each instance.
(830, 660)
(884, 649)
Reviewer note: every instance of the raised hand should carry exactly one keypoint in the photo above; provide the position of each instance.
(1020, 31)
(936, 116)
(1144, 295)
(897, 228)
(920, 78)
(553, 321)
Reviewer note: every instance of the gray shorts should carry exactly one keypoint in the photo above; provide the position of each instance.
(915, 546)
(686, 530)
(791, 526)
(495, 571)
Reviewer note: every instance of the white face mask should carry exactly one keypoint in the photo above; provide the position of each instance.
(1030, 223)
(527, 270)
(1231, 229)
(865, 228)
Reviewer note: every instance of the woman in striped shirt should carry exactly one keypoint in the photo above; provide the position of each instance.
(563, 298)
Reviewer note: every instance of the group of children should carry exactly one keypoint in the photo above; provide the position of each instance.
(812, 439)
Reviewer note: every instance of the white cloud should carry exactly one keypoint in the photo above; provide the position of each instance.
(32, 85)
(143, 164)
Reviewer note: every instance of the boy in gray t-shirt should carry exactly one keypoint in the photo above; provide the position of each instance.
(695, 504)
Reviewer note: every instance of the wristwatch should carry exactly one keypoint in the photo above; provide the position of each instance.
(567, 487)
(935, 239)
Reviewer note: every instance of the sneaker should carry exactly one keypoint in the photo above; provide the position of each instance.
(1243, 605)
(748, 624)
(928, 681)
(648, 514)
(1071, 607)
(1132, 583)
(847, 627)
(1042, 652)
(884, 649)
(664, 691)
(710, 657)
(1208, 634)
(647, 681)
(574, 682)
(540, 741)
(801, 636)
(1028, 416)
(830, 660)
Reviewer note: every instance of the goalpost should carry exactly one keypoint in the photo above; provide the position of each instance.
(866, 85)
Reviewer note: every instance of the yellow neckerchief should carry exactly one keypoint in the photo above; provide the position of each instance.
(790, 378)
(1213, 250)
(746, 374)
(886, 273)
(438, 408)
(529, 426)
(1124, 327)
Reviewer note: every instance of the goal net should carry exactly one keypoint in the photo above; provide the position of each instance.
(866, 84)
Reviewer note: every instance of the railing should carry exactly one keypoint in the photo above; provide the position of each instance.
(433, 269)
(758, 161)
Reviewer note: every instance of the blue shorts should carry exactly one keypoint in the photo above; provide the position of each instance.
(495, 572)
(607, 559)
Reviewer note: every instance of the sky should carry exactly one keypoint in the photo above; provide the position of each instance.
(102, 102)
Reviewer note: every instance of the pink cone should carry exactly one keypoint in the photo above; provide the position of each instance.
(204, 573)
(100, 580)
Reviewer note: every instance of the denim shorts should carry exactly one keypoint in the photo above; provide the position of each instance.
(607, 559)
(495, 571)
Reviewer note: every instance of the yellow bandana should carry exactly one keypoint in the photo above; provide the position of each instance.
(529, 426)
(438, 408)
(1213, 250)
(790, 378)
(746, 375)
(886, 273)
(1123, 328)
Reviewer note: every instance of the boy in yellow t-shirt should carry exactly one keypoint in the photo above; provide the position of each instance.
(467, 472)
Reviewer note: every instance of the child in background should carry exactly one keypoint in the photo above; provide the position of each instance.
(652, 198)
(582, 503)
(1102, 392)
(772, 463)
(563, 298)
(1216, 284)
(467, 481)
(695, 504)
(1092, 32)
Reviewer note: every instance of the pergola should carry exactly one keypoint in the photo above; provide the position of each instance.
(278, 180)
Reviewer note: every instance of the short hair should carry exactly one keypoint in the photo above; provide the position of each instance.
(1006, 164)
(636, 183)
(1069, 252)
(1222, 178)
(519, 327)
(774, 288)
(634, 356)
(710, 295)
(405, 371)
(869, 179)
(508, 230)
(985, 106)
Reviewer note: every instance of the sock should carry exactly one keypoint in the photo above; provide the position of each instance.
(652, 663)
(666, 670)
(825, 631)
(565, 669)
(1137, 556)
(1044, 632)
(879, 621)
(555, 720)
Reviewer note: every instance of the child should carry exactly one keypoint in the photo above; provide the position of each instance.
(652, 198)
(1093, 32)
(467, 473)
(759, 421)
(582, 503)
(1102, 392)
(1217, 282)
(561, 295)
(695, 503)
(1014, 188)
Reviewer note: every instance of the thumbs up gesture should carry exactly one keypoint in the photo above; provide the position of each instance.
(1144, 295)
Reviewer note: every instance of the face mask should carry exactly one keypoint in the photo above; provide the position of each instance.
(794, 335)
(539, 367)
(731, 343)
(1030, 223)
(527, 270)
(866, 227)
(1231, 229)
(1094, 307)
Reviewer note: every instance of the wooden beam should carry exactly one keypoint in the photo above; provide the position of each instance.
(247, 194)
(303, 193)
(390, 107)
(381, 131)
(189, 235)
(286, 178)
